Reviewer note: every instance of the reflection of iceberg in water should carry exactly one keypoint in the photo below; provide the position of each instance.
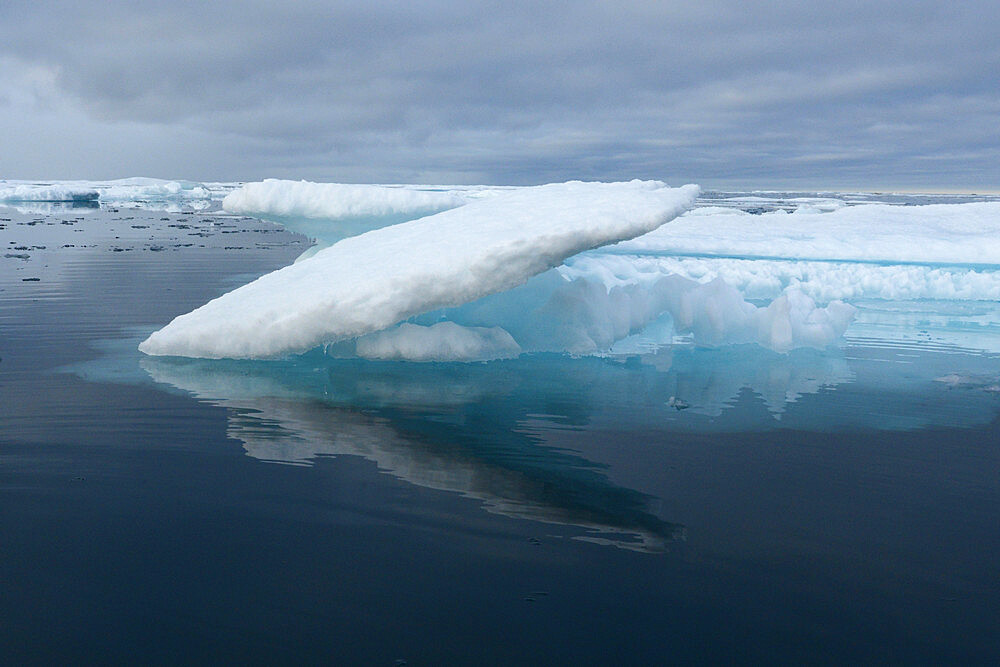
(710, 381)
(490, 431)
(53, 208)
(468, 442)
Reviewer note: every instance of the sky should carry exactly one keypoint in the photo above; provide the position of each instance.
(865, 95)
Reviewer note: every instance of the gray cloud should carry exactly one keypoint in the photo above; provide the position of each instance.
(847, 94)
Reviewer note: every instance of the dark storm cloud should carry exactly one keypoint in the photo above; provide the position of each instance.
(843, 94)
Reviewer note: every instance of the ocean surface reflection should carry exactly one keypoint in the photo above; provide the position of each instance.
(487, 430)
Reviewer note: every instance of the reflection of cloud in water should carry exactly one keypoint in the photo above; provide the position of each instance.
(469, 443)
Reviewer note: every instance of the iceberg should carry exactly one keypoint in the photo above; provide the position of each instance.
(136, 192)
(329, 212)
(796, 275)
(368, 283)
(42, 192)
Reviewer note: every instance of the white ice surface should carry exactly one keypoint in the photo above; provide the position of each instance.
(332, 211)
(825, 281)
(717, 275)
(120, 191)
(131, 189)
(937, 234)
(42, 192)
(370, 282)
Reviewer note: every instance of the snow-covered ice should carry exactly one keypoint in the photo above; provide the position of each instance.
(785, 278)
(61, 192)
(132, 189)
(130, 192)
(367, 283)
(967, 234)
(331, 211)
(783, 270)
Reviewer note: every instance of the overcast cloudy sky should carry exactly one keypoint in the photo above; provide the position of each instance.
(865, 95)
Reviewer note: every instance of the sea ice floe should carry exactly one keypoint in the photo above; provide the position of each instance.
(332, 211)
(26, 192)
(370, 282)
(930, 234)
(716, 274)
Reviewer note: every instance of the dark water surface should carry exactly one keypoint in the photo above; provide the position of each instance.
(813, 507)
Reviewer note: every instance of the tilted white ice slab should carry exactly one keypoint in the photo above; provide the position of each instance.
(367, 283)
(936, 234)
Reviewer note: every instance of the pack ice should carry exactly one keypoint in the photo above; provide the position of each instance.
(367, 283)
(123, 190)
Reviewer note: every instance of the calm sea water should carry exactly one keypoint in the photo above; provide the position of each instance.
(690, 505)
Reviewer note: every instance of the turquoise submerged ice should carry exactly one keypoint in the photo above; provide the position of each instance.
(500, 272)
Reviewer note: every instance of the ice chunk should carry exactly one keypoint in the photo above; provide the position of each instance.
(793, 320)
(332, 211)
(137, 192)
(368, 283)
(41, 192)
